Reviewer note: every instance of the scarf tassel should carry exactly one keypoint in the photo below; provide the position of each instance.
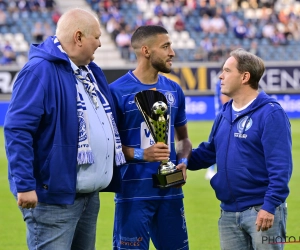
(85, 157)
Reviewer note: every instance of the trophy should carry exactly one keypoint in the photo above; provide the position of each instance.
(153, 106)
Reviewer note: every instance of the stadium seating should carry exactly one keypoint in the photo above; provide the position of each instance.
(20, 24)
(186, 42)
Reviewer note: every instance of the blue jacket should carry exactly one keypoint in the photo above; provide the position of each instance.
(253, 154)
(41, 125)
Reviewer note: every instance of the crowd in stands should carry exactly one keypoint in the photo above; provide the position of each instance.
(215, 27)
(201, 30)
(31, 20)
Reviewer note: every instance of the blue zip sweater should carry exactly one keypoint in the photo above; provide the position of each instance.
(41, 125)
(253, 154)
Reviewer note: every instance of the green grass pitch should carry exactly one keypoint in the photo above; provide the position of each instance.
(201, 206)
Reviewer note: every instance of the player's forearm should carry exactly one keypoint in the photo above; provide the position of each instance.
(128, 152)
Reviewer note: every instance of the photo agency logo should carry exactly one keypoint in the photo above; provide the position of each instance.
(280, 240)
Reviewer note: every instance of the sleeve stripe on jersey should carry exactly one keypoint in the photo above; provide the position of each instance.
(133, 146)
(131, 110)
(129, 94)
(121, 130)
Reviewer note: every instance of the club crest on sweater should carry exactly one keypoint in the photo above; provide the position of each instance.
(243, 125)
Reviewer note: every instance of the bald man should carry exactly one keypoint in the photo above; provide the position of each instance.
(61, 138)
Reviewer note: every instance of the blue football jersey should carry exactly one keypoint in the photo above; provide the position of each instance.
(137, 175)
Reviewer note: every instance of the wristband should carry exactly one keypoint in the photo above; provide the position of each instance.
(138, 154)
(184, 161)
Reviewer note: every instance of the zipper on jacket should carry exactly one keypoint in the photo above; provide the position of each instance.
(230, 190)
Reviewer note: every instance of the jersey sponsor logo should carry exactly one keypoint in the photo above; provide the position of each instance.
(243, 125)
(170, 98)
(146, 137)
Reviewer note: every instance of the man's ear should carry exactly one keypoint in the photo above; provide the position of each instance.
(78, 38)
(145, 51)
(246, 77)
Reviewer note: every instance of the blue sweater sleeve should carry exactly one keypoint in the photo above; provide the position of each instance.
(21, 122)
(277, 145)
(202, 157)
(205, 155)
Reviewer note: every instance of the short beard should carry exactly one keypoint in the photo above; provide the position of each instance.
(160, 66)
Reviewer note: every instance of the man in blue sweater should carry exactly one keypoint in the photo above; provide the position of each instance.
(61, 137)
(251, 143)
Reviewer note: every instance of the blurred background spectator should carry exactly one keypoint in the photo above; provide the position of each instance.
(240, 30)
(179, 24)
(8, 55)
(2, 18)
(123, 40)
(38, 32)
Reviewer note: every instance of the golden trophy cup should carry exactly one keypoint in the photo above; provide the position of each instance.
(154, 107)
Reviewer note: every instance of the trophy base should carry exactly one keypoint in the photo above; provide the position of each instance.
(168, 180)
